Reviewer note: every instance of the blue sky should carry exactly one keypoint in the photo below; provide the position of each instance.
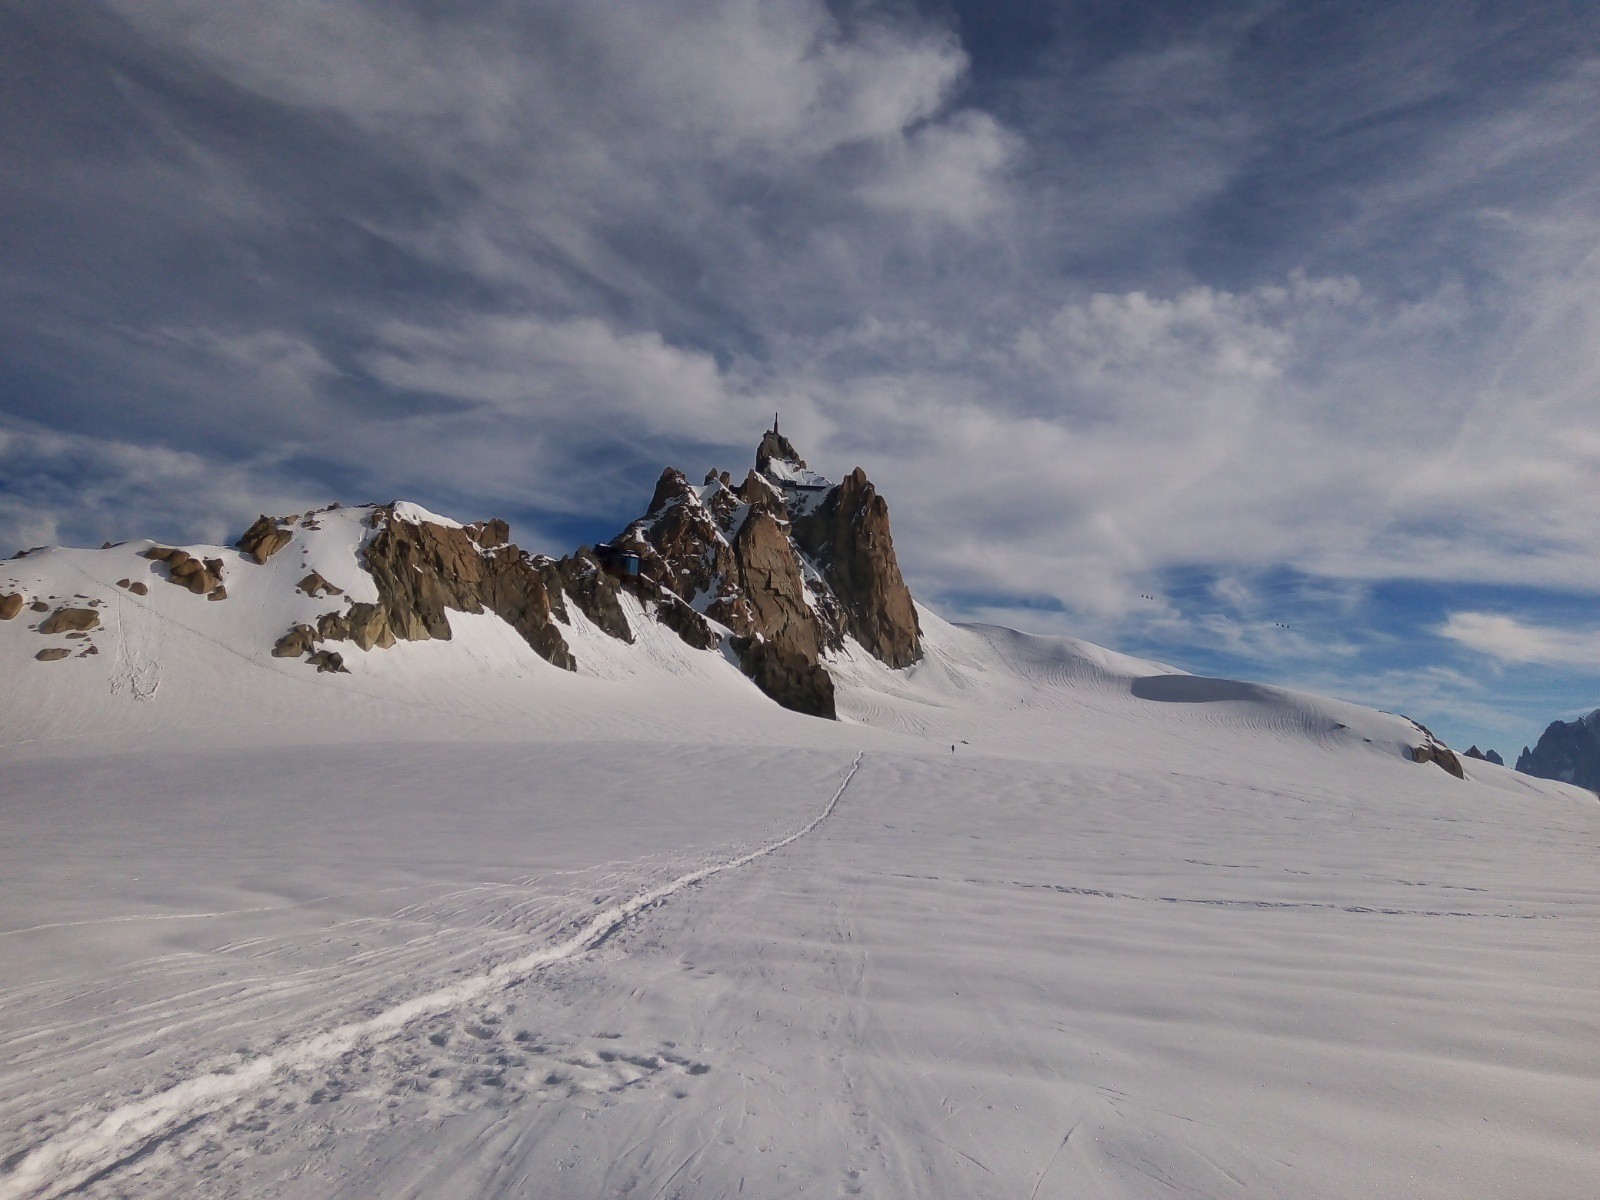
(1259, 338)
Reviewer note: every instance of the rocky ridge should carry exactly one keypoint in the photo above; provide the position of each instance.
(783, 568)
(1568, 751)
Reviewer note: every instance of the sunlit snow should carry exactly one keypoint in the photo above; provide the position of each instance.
(1034, 919)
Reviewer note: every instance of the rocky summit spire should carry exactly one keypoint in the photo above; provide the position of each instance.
(791, 565)
(777, 449)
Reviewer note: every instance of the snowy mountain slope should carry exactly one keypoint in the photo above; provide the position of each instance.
(170, 668)
(461, 922)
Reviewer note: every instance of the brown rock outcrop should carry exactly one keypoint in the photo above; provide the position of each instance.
(758, 493)
(39, 606)
(689, 551)
(1441, 755)
(519, 593)
(489, 534)
(199, 576)
(10, 605)
(139, 588)
(192, 574)
(52, 653)
(797, 683)
(848, 537)
(64, 619)
(296, 642)
(315, 585)
(264, 538)
(367, 625)
(677, 616)
(328, 661)
(774, 588)
(594, 592)
(424, 571)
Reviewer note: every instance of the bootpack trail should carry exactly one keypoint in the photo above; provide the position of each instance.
(99, 1143)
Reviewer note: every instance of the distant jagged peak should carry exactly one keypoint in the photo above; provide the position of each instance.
(1568, 751)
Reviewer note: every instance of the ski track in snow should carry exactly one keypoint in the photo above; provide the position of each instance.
(98, 1144)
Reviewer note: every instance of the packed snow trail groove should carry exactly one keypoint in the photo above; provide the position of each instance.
(98, 1144)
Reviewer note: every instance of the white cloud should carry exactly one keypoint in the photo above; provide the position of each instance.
(1513, 641)
(557, 373)
(950, 171)
(73, 489)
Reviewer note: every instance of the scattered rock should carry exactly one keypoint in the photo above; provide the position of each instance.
(76, 637)
(329, 661)
(296, 642)
(138, 588)
(314, 585)
(217, 593)
(39, 606)
(91, 648)
(64, 619)
(10, 605)
(52, 653)
(124, 583)
(367, 625)
(264, 538)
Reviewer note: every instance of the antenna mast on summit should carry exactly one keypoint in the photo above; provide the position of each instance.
(774, 421)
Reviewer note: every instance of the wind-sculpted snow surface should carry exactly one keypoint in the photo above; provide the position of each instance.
(1033, 919)
(96, 1145)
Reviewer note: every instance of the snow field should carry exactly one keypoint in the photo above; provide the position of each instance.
(462, 924)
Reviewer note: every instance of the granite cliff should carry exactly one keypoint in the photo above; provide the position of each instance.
(779, 571)
(1568, 751)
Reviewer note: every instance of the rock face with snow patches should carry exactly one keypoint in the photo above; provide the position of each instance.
(780, 571)
(789, 564)
(847, 536)
(1568, 751)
